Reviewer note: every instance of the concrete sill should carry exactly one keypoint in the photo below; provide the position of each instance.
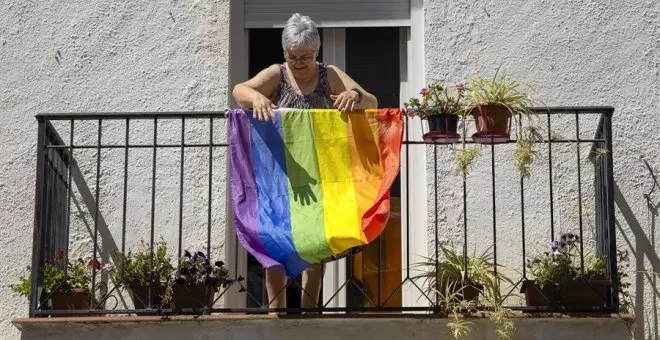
(304, 327)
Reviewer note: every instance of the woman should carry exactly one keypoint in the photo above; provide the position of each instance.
(300, 83)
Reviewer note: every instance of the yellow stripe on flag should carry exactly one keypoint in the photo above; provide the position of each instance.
(340, 212)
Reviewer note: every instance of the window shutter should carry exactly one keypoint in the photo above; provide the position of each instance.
(338, 13)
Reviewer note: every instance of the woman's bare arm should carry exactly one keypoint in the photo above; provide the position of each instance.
(256, 92)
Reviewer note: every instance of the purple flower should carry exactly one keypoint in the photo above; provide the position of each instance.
(219, 264)
(200, 254)
(211, 280)
(187, 254)
(570, 238)
(558, 247)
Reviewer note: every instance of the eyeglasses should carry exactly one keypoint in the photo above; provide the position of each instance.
(302, 59)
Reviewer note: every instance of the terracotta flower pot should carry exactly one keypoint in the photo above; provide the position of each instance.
(140, 295)
(492, 123)
(576, 295)
(74, 299)
(191, 296)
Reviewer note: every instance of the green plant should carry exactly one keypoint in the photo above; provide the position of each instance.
(59, 274)
(457, 307)
(456, 271)
(506, 329)
(597, 153)
(142, 268)
(436, 100)
(499, 90)
(196, 269)
(562, 263)
(449, 277)
(625, 298)
(523, 155)
(464, 158)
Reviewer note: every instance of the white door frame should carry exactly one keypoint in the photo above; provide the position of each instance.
(412, 78)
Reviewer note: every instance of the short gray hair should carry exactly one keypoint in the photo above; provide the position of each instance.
(300, 31)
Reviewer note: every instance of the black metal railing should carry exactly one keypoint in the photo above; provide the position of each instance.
(89, 166)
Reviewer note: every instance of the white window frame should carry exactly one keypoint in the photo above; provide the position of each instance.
(412, 78)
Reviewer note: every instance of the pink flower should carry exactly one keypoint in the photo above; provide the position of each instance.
(424, 90)
(460, 86)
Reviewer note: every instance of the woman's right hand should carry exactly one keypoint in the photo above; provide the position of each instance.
(262, 107)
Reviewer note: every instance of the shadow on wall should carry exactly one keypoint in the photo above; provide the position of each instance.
(643, 247)
(107, 247)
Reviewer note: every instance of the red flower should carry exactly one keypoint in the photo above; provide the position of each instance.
(460, 86)
(424, 90)
(60, 254)
(95, 263)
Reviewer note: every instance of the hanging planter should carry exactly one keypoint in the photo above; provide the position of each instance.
(441, 110)
(492, 102)
(442, 129)
(493, 123)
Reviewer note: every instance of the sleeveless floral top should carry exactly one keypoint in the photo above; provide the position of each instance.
(287, 97)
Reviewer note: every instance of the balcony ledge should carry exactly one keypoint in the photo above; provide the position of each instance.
(290, 327)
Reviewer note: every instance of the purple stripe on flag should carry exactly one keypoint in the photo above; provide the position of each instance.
(244, 187)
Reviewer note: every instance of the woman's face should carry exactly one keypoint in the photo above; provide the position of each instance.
(301, 61)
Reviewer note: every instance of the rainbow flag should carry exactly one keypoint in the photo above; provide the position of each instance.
(310, 184)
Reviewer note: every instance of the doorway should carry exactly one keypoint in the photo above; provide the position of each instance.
(371, 56)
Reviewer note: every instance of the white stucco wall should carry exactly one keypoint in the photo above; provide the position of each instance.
(95, 56)
(133, 56)
(571, 53)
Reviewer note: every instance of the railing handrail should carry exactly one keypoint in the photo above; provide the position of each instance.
(223, 114)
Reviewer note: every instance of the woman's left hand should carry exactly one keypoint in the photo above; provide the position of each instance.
(346, 100)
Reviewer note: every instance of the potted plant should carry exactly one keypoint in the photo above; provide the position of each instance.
(197, 276)
(460, 277)
(492, 102)
(559, 281)
(441, 109)
(461, 282)
(66, 285)
(146, 278)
